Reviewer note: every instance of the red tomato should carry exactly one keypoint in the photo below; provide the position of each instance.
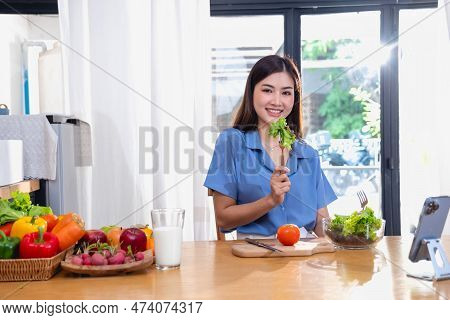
(6, 228)
(288, 234)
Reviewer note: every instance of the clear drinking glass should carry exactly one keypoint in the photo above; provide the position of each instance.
(168, 235)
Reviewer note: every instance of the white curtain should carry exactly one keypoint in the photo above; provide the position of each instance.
(424, 110)
(138, 72)
(443, 114)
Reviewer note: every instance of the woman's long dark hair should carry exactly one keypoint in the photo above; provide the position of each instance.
(246, 118)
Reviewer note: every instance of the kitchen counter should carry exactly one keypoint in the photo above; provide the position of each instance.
(210, 271)
(23, 186)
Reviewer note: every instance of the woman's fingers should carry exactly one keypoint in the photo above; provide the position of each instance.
(281, 170)
(280, 183)
(282, 187)
(281, 178)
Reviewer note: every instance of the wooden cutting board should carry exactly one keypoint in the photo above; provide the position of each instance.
(300, 249)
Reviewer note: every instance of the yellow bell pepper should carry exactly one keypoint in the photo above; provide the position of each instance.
(27, 225)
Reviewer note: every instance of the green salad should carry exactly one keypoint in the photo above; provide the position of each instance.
(361, 224)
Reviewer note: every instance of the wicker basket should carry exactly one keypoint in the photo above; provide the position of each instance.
(30, 269)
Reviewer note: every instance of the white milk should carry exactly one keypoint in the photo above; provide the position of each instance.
(168, 245)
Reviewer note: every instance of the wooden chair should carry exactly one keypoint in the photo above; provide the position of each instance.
(220, 235)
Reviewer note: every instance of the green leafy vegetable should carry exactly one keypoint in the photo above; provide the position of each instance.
(20, 201)
(39, 211)
(363, 223)
(7, 214)
(18, 207)
(280, 130)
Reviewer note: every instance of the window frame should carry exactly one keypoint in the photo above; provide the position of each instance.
(29, 7)
(292, 10)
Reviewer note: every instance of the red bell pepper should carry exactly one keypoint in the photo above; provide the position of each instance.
(6, 228)
(38, 245)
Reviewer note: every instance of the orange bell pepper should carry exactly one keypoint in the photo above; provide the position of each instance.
(150, 241)
(69, 230)
(51, 219)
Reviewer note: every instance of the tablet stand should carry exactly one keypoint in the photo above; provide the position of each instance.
(441, 267)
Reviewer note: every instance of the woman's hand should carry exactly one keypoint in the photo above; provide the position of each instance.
(279, 185)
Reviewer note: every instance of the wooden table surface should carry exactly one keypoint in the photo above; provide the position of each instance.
(210, 271)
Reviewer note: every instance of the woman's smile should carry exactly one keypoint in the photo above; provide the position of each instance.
(274, 112)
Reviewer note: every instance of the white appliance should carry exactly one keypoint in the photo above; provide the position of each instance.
(11, 161)
(74, 151)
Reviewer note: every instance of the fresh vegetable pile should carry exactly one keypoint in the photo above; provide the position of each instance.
(101, 254)
(28, 231)
(359, 228)
(112, 245)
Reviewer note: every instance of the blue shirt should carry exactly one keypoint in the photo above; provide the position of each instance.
(241, 169)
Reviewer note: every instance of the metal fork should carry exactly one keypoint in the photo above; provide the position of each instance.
(362, 199)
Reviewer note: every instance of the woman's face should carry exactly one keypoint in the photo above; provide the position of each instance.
(274, 97)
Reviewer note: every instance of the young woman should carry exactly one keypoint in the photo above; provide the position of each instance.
(253, 191)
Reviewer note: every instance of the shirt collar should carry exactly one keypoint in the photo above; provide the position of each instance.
(300, 148)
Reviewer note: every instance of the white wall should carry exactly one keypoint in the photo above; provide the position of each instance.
(14, 30)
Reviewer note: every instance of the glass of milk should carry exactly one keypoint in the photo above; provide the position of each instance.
(168, 235)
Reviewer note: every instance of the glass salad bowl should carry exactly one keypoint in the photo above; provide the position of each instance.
(360, 230)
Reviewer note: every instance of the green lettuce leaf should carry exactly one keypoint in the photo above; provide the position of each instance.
(39, 211)
(280, 130)
(20, 206)
(7, 214)
(20, 201)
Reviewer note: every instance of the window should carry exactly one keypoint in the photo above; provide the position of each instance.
(237, 43)
(354, 32)
(341, 102)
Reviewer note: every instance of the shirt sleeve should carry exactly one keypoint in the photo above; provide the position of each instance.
(325, 193)
(222, 171)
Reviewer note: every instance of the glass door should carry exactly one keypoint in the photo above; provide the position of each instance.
(341, 102)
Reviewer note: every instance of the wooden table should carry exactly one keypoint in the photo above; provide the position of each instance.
(210, 271)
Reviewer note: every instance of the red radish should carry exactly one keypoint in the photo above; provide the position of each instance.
(118, 258)
(139, 256)
(106, 253)
(85, 255)
(134, 238)
(98, 259)
(87, 261)
(77, 260)
(128, 259)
